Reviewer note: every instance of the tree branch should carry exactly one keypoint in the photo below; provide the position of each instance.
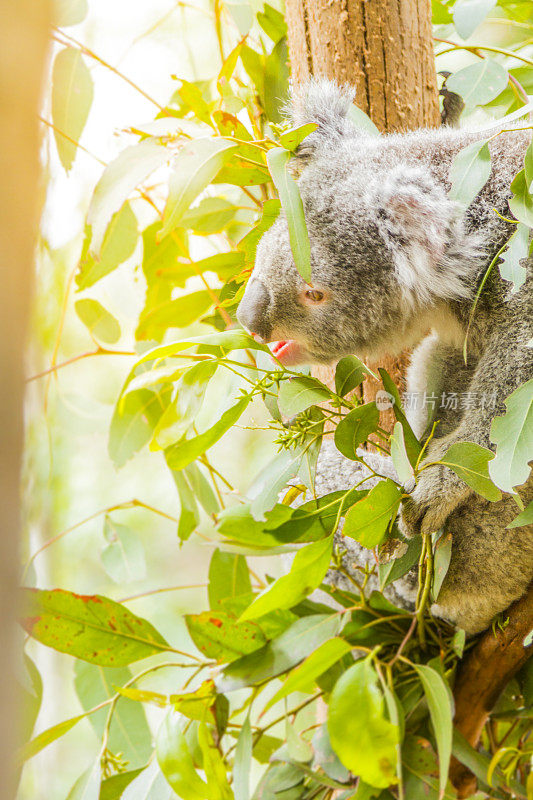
(482, 677)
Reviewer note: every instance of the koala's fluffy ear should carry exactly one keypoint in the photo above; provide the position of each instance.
(420, 226)
(326, 103)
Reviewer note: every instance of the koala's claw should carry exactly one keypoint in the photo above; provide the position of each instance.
(434, 498)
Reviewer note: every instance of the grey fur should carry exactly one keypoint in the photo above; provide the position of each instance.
(395, 258)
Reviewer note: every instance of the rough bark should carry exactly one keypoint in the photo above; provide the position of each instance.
(483, 676)
(23, 43)
(385, 49)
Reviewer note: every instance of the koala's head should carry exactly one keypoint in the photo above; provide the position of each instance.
(381, 245)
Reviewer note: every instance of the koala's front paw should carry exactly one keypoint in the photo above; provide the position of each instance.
(438, 491)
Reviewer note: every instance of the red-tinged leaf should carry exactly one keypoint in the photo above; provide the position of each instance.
(90, 627)
(218, 634)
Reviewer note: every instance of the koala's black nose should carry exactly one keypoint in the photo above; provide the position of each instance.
(253, 308)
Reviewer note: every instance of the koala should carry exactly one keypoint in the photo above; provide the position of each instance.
(396, 263)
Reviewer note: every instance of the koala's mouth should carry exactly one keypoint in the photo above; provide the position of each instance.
(290, 352)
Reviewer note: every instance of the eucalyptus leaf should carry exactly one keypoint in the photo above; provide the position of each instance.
(118, 245)
(517, 250)
(361, 735)
(349, 373)
(524, 518)
(289, 194)
(355, 428)
(469, 172)
(121, 176)
(398, 451)
(306, 573)
(284, 652)
(100, 323)
(479, 83)
(91, 627)
(513, 436)
(521, 204)
(123, 556)
(368, 519)
(149, 785)
(194, 168)
(297, 394)
(175, 759)
(72, 97)
(440, 703)
(302, 678)
(471, 463)
(469, 14)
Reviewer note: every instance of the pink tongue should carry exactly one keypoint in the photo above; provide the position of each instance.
(288, 352)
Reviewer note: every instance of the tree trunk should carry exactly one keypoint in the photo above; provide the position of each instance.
(385, 49)
(23, 43)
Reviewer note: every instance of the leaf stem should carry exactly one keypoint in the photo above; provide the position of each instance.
(86, 51)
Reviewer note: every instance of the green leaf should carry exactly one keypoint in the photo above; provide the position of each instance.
(397, 567)
(213, 766)
(90, 627)
(150, 785)
(176, 761)
(123, 556)
(442, 558)
(479, 83)
(367, 520)
(248, 243)
(182, 453)
(226, 265)
(121, 176)
(194, 168)
(349, 373)
(87, 787)
(119, 243)
(228, 577)
(69, 12)
(72, 97)
(218, 344)
(46, 737)
(302, 679)
(242, 765)
(398, 451)
(129, 733)
(469, 14)
(355, 428)
(30, 696)
(306, 573)
(273, 23)
(278, 656)
(362, 121)
(134, 419)
(528, 166)
(179, 313)
(179, 416)
(297, 394)
(517, 250)
(112, 788)
(276, 82)
(100, 323)
(412, 445)
(471, 463)
(521, 204)
(469, 172)
(524, 518)
(289, 194)
(211, 215)
(513, 435)
(218, 635)
(440, 704)
(291, 139)
(361, 735)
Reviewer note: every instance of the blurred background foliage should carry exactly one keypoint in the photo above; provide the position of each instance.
(120, 65)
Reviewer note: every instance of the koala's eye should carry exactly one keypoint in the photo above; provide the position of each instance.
(314, 295)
